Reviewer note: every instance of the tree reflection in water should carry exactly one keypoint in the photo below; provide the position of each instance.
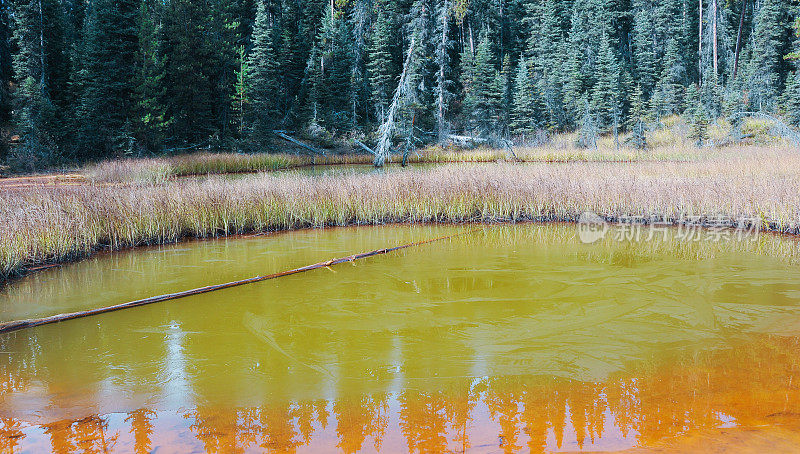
(658, 404)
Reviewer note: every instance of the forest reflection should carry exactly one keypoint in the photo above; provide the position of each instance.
(748, 385)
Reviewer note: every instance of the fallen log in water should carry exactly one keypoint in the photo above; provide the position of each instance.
(8, 327)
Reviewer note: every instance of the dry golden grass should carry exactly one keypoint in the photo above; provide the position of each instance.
(670, 145)
(57, 224)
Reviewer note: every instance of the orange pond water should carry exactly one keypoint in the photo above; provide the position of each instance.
(507, 339)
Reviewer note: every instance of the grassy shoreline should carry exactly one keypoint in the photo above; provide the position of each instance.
(669, 143)
(155, 170)
(56, 225)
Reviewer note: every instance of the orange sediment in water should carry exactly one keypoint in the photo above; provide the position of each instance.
(741, 400)
(513, 338)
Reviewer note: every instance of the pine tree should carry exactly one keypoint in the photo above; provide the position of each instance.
(646, 44)
(587, 135)
(525, 111)
(190, 102)
(767, 67)
(261, 82)
(607, 93)
(5, 66)
(381, 65)
(149, 111)
(444, 45)
(546, 50)
(791, 97)
(483, 93)
(670, 87)
(41, 67)
(222, 63)
(112, 42)
(591, 20)
(333, 90)
(359, 95)
(697, 116)
(420, 27)
(637, 122)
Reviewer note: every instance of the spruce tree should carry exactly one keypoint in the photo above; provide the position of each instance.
(112, 42)
(422, 72)
(546, 48)
(381, 65)
(670, 87)
(524, 114)
(646, 45)
(333, 89)
(41, 69)
(221, 64)
(483, 91)
(188, 78)
(791, 97)
(503, 87)
(767, 67)
(239, 99)
(149, 111)
(577, 72)
(359, 94)
(5, 65)
(260, 114)
(637, 121)
(697, 116)
(588, 132)
(444, 93)
(607, 93)
(589, 33)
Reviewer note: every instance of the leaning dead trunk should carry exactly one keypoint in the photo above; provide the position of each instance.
(389, 126)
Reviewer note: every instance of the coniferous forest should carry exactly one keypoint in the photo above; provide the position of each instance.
(89, 79)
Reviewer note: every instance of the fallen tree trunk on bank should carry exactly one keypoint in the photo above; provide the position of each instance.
(16, 325)
(364, 146)
(291, 139)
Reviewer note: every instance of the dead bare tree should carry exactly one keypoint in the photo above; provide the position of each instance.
(714, 15)
(387, 129)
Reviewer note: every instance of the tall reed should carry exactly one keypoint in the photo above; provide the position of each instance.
(58, 224)
(153, 170)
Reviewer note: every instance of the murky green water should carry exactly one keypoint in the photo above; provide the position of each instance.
(504, 338)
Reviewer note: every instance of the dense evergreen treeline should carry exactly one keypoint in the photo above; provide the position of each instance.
(86, 79)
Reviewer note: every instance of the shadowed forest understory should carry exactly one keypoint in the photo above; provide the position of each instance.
(84, 80)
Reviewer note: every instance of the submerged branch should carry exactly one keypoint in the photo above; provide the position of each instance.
(22, 324)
